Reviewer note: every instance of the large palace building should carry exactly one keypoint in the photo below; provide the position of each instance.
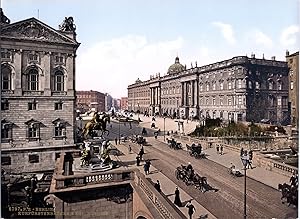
(37, 93)
(238, 89)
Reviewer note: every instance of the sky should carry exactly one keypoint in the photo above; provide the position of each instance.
(122, 40)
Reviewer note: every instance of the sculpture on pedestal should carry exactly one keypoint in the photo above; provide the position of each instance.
(98, 122)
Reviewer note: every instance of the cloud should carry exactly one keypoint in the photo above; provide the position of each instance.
(288, 35)
(227, 31)
(262, 39)
(110, 66)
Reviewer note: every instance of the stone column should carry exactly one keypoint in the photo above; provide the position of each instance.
(47, 73)
(182, 94)
(17, 84)
(150, 96)
(70, 65)
(193, 93)
(186, 94)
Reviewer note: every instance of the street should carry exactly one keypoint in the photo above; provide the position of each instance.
(262, 201)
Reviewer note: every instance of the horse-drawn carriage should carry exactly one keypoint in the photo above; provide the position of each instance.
(188, 176)
(174, 144)
(289, 193)
(195, 151)
(138, 139)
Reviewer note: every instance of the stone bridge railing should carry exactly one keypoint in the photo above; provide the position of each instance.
(64, 178)
(165, 209)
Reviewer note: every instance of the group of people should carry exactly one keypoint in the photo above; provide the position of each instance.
(177, 200)
(219, 148)
(248, 156)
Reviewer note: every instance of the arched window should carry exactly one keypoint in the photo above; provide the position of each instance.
(33, 80)
(59, 81)
(6, 77)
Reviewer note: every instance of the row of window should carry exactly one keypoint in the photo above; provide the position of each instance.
(33, 132)
(32, 57)
(32, 158)
(31, 105)
(32, 79)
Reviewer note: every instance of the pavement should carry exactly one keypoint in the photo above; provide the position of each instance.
(167, 186)
(259, 174)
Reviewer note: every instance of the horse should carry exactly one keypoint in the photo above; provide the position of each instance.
(98, 122)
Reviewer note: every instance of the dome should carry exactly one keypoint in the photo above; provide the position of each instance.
(176, 67)
(138, 81)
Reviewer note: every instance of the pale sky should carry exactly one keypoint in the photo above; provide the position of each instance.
(122, 40)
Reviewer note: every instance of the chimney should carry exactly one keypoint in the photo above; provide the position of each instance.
(287, 53)
(252, 56)
(273, 58)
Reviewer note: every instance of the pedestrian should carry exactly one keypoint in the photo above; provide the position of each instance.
(157, 186)
(138, 160)
(242, 152)
(129, 149)
(177, 200)
(217, 148)
(191, 208)
(221, 149)
(148, 163)
(141, 153)
(146, 168)
(116, 141)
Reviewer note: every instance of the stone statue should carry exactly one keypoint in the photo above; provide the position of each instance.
(68, 25)
(3, 18)
(98, 122)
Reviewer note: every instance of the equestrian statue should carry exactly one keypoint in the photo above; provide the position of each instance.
(98, 122)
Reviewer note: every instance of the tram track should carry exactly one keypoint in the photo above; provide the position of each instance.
(231, 191)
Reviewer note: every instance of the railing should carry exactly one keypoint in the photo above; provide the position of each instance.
(163, 207)
(284, 168)
(91, 178)
(67, 181)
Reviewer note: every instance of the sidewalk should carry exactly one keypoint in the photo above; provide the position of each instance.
(259, 174)
(167, 186)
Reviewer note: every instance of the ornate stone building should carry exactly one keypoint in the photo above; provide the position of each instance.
(293, 63)
(239, 89)
(37, 93)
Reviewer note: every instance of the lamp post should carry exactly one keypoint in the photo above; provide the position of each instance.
(119, 126)
(165, 126)
(138, 111)
(245, 160)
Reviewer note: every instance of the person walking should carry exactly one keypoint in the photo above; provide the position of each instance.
(148, 163)
(242, 152)
(217, 148)
(129, 149)
(138, 160)
(157, 186)
(116, 141)
(177, 200)
(141, 153)
(191, 209)
(146, 168)
(221, 150)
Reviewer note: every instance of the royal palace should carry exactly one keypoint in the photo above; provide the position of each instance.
(238, 89)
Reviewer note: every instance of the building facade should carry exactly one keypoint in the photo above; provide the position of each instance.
(293, 64)
(124, 103)
(37, 93)
(238, 89)
(108, 102)
(93, 99)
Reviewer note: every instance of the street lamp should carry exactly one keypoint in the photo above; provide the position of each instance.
(138, 111)
(165, 114)
(245, 160)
